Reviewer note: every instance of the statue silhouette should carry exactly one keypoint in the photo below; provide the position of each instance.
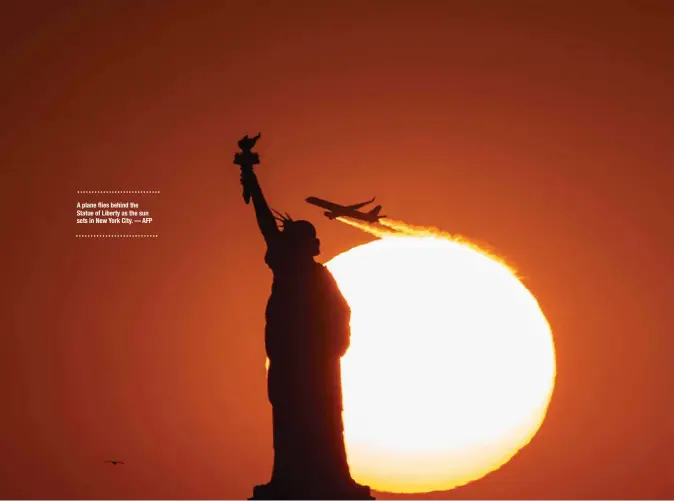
(307, 332)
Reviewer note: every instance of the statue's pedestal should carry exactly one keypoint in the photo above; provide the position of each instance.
(311, 491)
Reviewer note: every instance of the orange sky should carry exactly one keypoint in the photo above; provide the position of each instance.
(543, 131)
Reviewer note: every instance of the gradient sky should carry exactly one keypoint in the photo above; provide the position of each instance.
(541, 128)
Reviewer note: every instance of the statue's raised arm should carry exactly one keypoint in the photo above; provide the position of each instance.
(246, 159)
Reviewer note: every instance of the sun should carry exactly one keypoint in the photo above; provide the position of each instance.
(451, 365)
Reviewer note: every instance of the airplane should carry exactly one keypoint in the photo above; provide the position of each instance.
(335, 210)
(114, 462)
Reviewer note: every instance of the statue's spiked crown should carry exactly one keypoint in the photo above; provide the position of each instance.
(284, 219)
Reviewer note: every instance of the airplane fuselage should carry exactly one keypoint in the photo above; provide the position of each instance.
(351, 211)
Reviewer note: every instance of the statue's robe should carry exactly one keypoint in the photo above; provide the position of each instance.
(307, 332)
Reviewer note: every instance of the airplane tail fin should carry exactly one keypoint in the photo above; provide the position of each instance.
(375, 211)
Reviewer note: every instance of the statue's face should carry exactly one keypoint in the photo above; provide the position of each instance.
(302, 236)
(302, 244)
(309, 246)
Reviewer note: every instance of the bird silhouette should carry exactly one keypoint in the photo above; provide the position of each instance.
(114, 462)
(247, 143)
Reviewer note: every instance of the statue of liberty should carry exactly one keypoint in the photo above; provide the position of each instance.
(307, 332)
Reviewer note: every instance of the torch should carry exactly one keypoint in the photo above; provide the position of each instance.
(246, 159)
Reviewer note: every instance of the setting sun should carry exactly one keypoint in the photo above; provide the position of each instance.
(451, 366)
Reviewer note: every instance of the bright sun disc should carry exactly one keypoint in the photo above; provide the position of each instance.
(451, 365)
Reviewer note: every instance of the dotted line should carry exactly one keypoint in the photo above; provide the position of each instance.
(99, 235)
(137, 192)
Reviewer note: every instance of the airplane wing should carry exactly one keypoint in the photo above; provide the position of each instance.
(358, 206)
(335, 207)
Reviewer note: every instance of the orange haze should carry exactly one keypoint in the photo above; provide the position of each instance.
(541, 128)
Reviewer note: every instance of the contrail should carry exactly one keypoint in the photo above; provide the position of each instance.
(377, 231)
(390, 228)
(416, 231)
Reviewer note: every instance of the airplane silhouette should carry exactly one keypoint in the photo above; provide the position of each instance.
(336, 210)
(114, 462)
